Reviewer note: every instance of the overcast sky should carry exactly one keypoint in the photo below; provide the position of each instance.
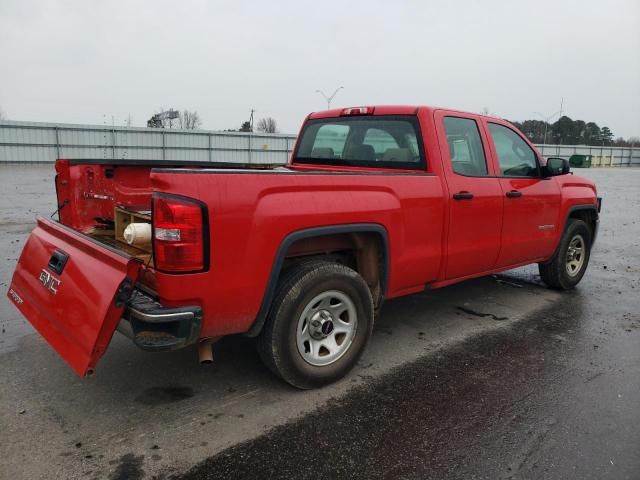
(86, 61)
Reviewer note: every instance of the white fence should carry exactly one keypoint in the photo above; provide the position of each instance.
(34, 142)
(602, 156)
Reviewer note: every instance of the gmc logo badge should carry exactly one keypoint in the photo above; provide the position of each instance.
(49, 282)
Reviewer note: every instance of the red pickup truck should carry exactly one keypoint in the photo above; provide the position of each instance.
(375, 203)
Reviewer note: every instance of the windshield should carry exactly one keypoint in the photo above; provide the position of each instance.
(379, 141)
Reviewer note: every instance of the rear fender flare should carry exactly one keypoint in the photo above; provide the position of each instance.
(272, 284)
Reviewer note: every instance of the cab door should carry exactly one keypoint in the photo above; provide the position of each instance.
(475, 196)
(531, 203)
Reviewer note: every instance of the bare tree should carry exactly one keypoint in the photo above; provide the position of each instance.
(267, 125)
(2, 117)
(189, 120)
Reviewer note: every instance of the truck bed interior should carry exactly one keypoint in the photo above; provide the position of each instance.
(100, 198)
(112, 233)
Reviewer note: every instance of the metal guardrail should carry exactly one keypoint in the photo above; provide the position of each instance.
(37, 142)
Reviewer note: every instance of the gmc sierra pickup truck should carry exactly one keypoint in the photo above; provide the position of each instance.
(375, 203)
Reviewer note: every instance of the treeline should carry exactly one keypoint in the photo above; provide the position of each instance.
(265, 125)
(566, 131)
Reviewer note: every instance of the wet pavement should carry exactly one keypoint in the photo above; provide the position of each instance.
(493, 378)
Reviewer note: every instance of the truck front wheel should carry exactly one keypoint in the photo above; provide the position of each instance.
(319, 324)
(570, 261)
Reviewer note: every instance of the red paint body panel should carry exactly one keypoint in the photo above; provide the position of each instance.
(433, 239)
(80, 316)
(251, 213)
(530, 228)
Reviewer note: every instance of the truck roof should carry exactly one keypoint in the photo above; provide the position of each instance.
(390, 110)
(377, 110)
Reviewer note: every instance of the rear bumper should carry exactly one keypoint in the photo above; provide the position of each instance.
(154, 327)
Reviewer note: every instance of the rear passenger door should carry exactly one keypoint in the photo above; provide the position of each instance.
(475, 196)
(531, 203)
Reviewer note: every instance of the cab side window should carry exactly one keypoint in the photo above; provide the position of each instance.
(515, 157)
(465, 147)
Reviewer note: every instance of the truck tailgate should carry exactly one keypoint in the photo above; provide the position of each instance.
(73, 291)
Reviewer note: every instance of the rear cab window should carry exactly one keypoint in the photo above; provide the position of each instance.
(385, 141)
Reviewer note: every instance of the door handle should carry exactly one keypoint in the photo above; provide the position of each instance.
(514, 194)
(463, 196)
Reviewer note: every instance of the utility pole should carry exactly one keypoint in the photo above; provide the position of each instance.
(249, 145)
(560, 139)
(561, 103)
(328, 98)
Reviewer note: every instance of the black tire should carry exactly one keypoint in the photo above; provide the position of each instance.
(277, 343)
(555, 273)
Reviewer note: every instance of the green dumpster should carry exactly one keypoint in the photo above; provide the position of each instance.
(580, 161)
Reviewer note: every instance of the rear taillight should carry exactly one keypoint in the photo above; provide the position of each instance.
(179, 234)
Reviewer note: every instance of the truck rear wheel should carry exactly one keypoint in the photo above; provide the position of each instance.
(567, 267)
(319, 324)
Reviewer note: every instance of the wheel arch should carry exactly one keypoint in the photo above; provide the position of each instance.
(378, 230)
(586, 212)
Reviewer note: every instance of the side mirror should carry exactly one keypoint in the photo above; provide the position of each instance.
(556, 166)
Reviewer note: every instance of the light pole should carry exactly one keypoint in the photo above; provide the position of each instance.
(328, 98)
(546, 120)
(546, 123)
